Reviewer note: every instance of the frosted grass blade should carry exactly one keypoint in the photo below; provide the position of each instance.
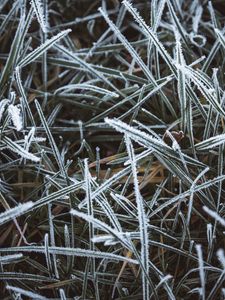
(214, 215)
(29, 294)
(35, 54)
(39, 12)
(70, 252)
(19, 150)
(141, 218)
(15, 212)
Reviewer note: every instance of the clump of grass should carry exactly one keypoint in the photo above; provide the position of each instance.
(112, 150)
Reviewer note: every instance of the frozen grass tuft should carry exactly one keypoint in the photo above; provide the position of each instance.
(112, 149)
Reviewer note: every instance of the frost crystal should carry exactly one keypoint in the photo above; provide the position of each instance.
(15, 114)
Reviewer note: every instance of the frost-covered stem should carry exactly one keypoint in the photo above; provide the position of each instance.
(141, 217)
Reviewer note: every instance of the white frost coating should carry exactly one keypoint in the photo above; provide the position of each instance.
(135, 134)
(29, 294)
(101, 225)
(142, 219)
(39, 12)
(15, 114)
(128, 46)
(150, 34)
(181, 85)
(72, 87)
(10, 258)
(211, 142)
(158, 15)
(3, 104)
(221, 257)
(201, 270)
(70, 252)
(106, 239)
(204, 86)
(214, 215)
(43, 48)
(209, 233)
(62, 294)
(15, 212)
(28, 139)
(192, 190)
(19, 150)
(197, 18)
(220, 36)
